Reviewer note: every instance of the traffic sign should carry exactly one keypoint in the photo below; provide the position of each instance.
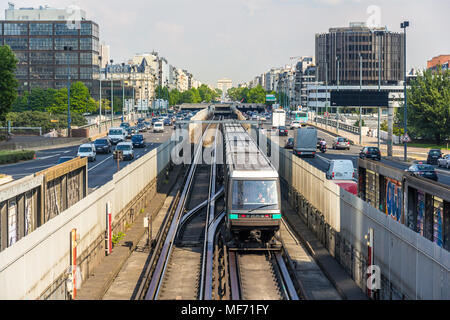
(405, 138)
(271, 97)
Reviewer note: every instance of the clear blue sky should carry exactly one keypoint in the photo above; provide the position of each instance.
(240, 39)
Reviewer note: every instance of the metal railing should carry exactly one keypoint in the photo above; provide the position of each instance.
(333, 123)
(22, 128)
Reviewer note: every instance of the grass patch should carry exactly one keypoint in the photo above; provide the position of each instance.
(13, 156)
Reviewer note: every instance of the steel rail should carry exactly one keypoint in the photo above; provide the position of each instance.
(161, 266)
(208, 248)
(286, 278)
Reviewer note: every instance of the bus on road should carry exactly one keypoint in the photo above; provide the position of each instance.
(301, 116)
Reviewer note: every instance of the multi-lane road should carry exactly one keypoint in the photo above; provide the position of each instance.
(321, 160)
(99, 172)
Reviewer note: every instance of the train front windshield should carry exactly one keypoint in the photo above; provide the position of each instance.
(250, 194)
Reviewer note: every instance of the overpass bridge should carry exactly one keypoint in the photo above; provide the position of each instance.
(320, 215)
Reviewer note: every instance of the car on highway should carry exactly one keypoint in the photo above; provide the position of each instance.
(340, 170)
(433, 156)
(370, 153)
(116, 135)
(148, 125)
(103, 145)
(127, 150)
(141, 127)
(87, 151)
(158, 127)
(64, 159)
(125, 125)
(444, 161)
(167, 122)
(341, 143)
(138, 141)
(282, 131)
(154, 120)
(423, 170)
(289, 143)
(295, 124)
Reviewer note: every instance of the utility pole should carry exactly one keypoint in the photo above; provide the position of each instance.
(377, 33)
(360, 91)
(404, 25)
(100, 79)
(112, 97)
(123, 89)
(69, 120)
(337, 107)
(326, 93)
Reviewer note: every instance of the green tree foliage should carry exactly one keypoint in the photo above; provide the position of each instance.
(246, 95)
(429, 107)
(43, 119)
(80, 100)
(8, 81)
(174, 97)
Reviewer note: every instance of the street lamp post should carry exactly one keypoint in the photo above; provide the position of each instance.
(379, 33)
(337, 107)
(326, 93)
(123, 89)
(360, 91)
(69, 120)
(112, 96)
(404, 25)
(100, 80)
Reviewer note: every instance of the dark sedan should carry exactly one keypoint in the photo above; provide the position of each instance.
(423, 170)
(370, 153)
(289, 144)
(102, 146)
(433, 156)
(167, 122)
(138, 141)
(154, 120)
(142, 127)
(64, 159)
(282, 131)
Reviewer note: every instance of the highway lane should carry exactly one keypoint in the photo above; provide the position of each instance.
(99, 172)
(321, 160)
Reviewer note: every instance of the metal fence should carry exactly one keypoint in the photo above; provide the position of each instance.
(333, 124)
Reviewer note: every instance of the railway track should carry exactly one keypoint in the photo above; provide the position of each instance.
(183, 242)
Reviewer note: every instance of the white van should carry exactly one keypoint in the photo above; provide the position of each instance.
(158, 127)
(87, 151)
(341, 170)
(117, 135)
(127, 150)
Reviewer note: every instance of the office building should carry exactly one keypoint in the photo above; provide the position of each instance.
(343, 47)
(39, 37)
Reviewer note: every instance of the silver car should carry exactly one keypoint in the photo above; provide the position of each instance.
(444, 162)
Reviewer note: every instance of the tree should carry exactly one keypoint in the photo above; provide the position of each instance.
(8, 81)
(174, 97)
(256, 95)
(80, 100)
(429, 106)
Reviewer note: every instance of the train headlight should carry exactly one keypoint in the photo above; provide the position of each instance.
(234, 217)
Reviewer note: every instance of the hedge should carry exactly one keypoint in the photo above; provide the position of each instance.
(15, 156)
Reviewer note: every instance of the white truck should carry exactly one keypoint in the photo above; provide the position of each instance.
(278, 118)
(305, 141)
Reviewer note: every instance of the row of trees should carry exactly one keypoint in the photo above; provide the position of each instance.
(193, 95)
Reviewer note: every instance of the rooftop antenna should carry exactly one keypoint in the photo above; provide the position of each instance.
(11, 5)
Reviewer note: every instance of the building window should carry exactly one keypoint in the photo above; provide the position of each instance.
(41, 58)
(17, 43)
(22, 72)
(86, 29)
(22, 57)
(41, 29)
(60, 43)
(61, 58)
(86, 44)
(61, 29)
(86, 58)
(61, 73)
(41, 44)
(41, 72)
(16, 29)
(85, 73)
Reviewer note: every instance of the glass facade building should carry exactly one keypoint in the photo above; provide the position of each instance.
(39, 47)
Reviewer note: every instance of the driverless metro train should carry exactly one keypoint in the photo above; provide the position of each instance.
(253, 194)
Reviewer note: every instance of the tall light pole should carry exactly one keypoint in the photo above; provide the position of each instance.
(112, 96)
(69, 120)
(404, 25)
(337, 107)
(379, 33)
(360, 91)
(123, 89)
(100, 80)
(326, 93)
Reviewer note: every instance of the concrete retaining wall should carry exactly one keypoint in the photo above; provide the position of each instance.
(412, 267)
(36, 266)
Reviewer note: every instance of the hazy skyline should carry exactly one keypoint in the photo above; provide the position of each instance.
(239, 39)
